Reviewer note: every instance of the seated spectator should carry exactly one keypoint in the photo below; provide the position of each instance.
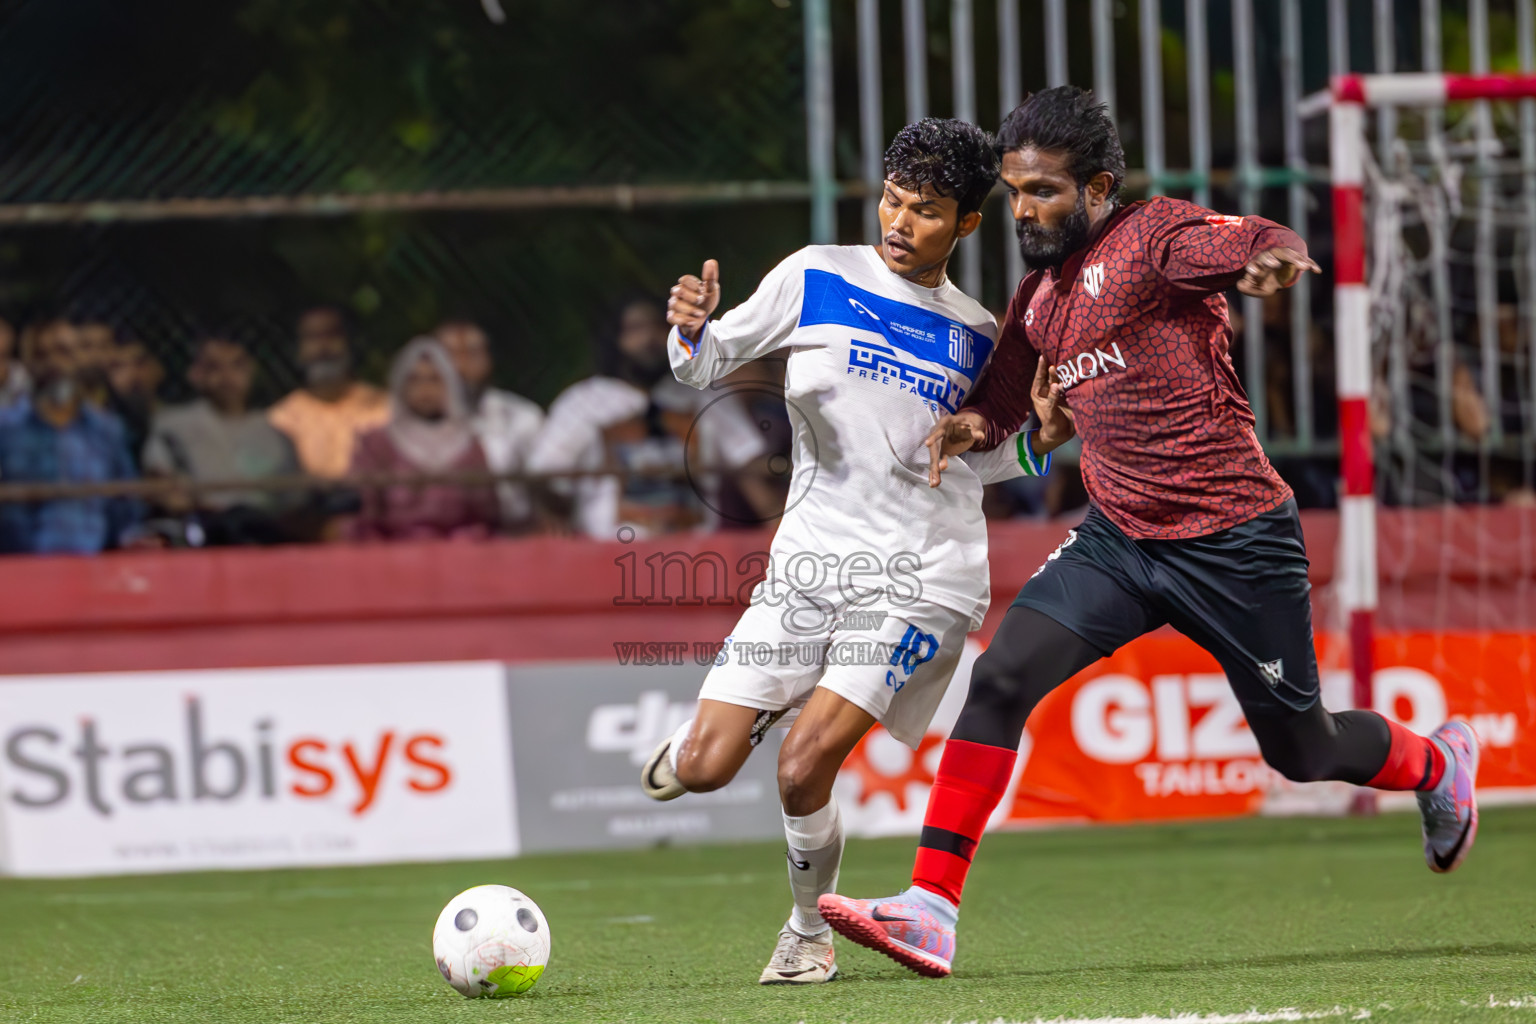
(15, 383)
(428, 432)
(42, 332)
(134, 377)
(106, 360)
(749, 500)
(1415, 465)
(220, 437)
(325, 416)
(636, 416)
(59, 437)
(505, 423)
(98, 337)
(1469, 410)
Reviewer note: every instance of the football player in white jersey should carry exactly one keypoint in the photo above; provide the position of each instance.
(876, 576)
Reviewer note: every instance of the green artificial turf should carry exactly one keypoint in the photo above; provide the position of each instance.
(1206, 919)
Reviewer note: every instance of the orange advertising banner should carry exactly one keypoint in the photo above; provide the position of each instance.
(1154, 731)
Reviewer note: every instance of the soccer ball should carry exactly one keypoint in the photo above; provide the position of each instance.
(491, 941)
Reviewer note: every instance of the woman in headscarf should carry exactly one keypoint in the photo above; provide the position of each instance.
(428, 432)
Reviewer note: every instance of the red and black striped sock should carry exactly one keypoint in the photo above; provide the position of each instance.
(1413, 762)
(971, 779)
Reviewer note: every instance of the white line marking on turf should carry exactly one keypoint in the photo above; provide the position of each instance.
(1250, 1017)
(161, 896)
(1518, 1003)
(354, 892)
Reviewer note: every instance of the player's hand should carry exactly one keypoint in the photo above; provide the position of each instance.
(951, 435)
(1050, 399)
(1274, 269)
(693, 299)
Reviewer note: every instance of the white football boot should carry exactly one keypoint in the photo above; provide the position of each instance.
(657, 778)
(798, 960)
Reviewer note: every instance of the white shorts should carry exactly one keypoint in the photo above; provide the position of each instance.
(893, 661)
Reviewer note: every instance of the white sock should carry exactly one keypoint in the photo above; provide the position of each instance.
(815, 853)
(677, 743)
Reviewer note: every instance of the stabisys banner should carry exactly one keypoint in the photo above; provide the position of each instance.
(132, 772)
(1154, 733)
(118, 773)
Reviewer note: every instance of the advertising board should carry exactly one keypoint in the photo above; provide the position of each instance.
(116, 773)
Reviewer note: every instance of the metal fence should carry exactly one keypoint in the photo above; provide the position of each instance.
(190, 162)
(416, 159)
(1230, 89)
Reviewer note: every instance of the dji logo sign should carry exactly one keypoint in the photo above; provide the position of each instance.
(635, 729)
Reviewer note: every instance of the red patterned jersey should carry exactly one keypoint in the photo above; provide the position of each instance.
(1136, 327)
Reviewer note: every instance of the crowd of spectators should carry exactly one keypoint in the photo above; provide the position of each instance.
(627, 452)
(1432, 422)
(439, 453)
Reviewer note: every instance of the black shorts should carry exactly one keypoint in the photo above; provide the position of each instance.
(1241, 594)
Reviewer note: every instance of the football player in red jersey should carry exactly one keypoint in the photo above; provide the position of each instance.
(1119, 333)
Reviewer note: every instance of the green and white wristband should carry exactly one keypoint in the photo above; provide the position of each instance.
(1033, 466)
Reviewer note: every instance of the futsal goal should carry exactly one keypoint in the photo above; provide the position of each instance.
(1434, 216)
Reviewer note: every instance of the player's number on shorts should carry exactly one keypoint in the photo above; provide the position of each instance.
(915, 648)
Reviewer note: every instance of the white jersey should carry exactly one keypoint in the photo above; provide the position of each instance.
(873, 361)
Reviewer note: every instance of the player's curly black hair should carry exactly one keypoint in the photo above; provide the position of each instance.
(954, 158)
(1067, 119)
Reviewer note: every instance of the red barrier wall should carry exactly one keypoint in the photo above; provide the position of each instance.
(542, 599)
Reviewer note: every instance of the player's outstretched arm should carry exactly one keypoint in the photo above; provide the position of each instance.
(704, 350)
(1017, 456)
(1212, 252)
(1273, 269)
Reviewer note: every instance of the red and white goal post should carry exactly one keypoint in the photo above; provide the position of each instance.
(1351, 156)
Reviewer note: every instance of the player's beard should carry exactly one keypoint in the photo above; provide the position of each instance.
(1048, 247)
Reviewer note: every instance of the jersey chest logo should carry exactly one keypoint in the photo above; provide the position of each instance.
(1073, 370)
(1093, 279)
(962, 354)
(859, 307)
